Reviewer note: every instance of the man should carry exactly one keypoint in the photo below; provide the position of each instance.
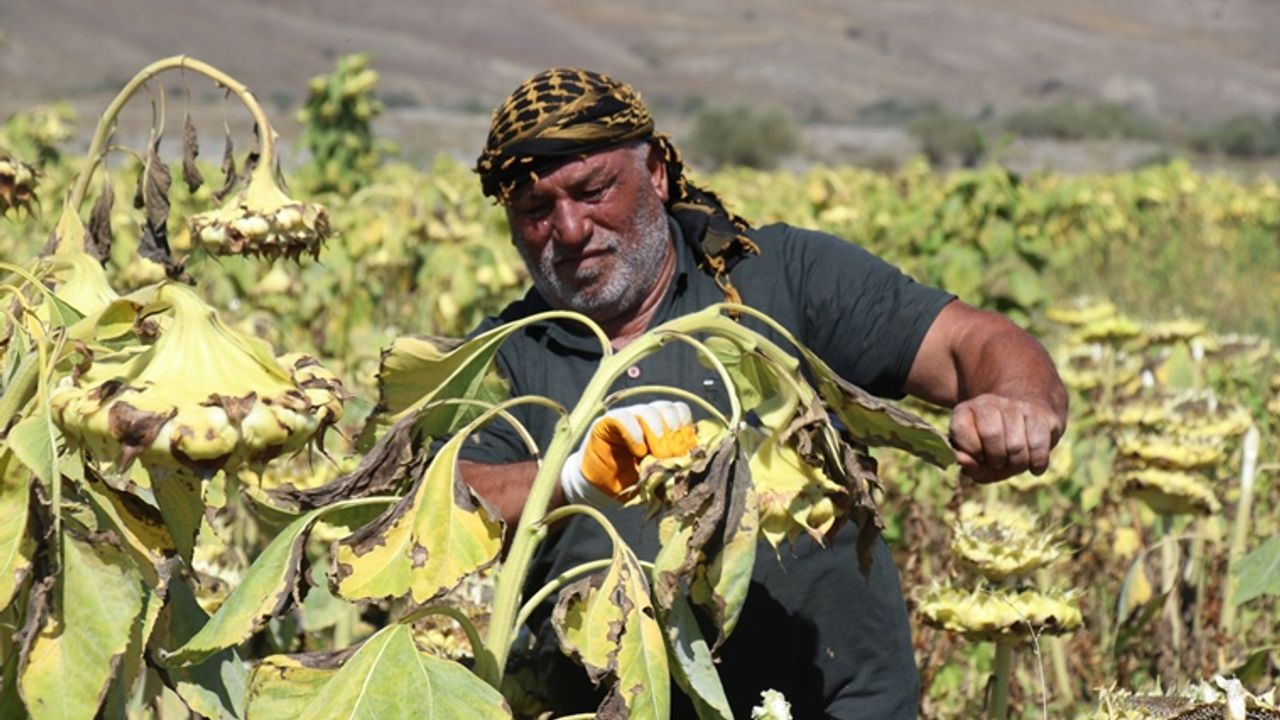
(608, 225)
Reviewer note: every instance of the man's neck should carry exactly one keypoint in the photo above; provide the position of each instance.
(628, 326)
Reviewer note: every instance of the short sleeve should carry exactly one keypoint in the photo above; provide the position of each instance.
(862, 315)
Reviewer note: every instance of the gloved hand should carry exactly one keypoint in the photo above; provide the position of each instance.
(607, 462)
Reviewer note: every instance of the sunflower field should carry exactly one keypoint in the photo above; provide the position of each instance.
(218, 381)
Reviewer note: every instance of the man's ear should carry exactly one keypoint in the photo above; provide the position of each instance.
(656, 162)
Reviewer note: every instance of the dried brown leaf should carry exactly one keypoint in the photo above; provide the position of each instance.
(100, 236)
(229, 176)
(151, 195)
(386, 466)
(190, 149)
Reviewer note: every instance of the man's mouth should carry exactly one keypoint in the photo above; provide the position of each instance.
(584, 260)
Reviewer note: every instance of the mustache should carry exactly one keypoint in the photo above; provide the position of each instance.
(555, 255)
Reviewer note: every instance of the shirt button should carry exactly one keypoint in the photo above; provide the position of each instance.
(633, 372)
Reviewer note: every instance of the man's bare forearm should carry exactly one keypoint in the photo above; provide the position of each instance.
(1009, 406)
(1010, 363)
(505, 487)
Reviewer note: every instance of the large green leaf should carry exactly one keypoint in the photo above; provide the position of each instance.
(263, 593)
(416, 371)
(138, 524)
(1258, 573)
(127, 697)
(753, 380)
(590, 617)
(873, 421)
(180, 497)
(16, 545)
(644, 683)
(694, 669)
(35, 441)
(438, 534)
(98, 597)
(281, 686)
(721, 585)
(607, 623)
(214, 688)
(387, 679)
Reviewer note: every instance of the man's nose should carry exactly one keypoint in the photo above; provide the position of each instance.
(571, 224)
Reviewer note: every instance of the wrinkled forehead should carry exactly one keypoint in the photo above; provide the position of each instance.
(574, 170)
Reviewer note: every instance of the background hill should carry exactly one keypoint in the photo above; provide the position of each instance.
(852, 72)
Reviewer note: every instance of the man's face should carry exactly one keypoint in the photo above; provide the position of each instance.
(593, 232)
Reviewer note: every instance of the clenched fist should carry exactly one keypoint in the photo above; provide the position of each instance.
(996, 437)
(607, 462)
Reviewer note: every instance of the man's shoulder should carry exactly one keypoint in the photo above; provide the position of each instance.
(531, 303)
(785, 247)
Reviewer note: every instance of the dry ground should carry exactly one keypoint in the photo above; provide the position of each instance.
(444, 62)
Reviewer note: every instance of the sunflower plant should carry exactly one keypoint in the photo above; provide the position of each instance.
(133, 423)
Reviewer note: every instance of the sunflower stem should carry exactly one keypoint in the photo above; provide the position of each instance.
(998, 709)
(1241, 525)
(1169, 571)
(97, 149)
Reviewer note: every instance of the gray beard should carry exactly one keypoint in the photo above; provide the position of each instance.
(633, 277)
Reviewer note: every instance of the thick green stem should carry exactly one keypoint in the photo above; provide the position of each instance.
(97, 149)
(1241, 525)
(1169, 572)
(530, 530)
(998, 708)
(1195, 574)
(568, 432)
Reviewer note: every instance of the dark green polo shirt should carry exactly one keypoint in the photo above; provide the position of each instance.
(835, 643)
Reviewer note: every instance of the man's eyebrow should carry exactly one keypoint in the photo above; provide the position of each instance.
(594, 174)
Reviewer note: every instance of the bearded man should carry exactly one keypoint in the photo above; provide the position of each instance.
(609, 226)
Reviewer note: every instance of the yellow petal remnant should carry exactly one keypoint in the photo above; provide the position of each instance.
(1170, 452)
(1081, 311)
(1171, 493)
(1173, 331)
(1000, 541)
(990, 614)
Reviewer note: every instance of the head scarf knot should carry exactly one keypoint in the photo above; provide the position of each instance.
(563, 113)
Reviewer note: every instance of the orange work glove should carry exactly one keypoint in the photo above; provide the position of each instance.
(607, 462)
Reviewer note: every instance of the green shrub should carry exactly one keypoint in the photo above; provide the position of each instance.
(336, 119)
(1071, 120)
(946, 138)
(742, 136)
(894, 111)
(1243, 136)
